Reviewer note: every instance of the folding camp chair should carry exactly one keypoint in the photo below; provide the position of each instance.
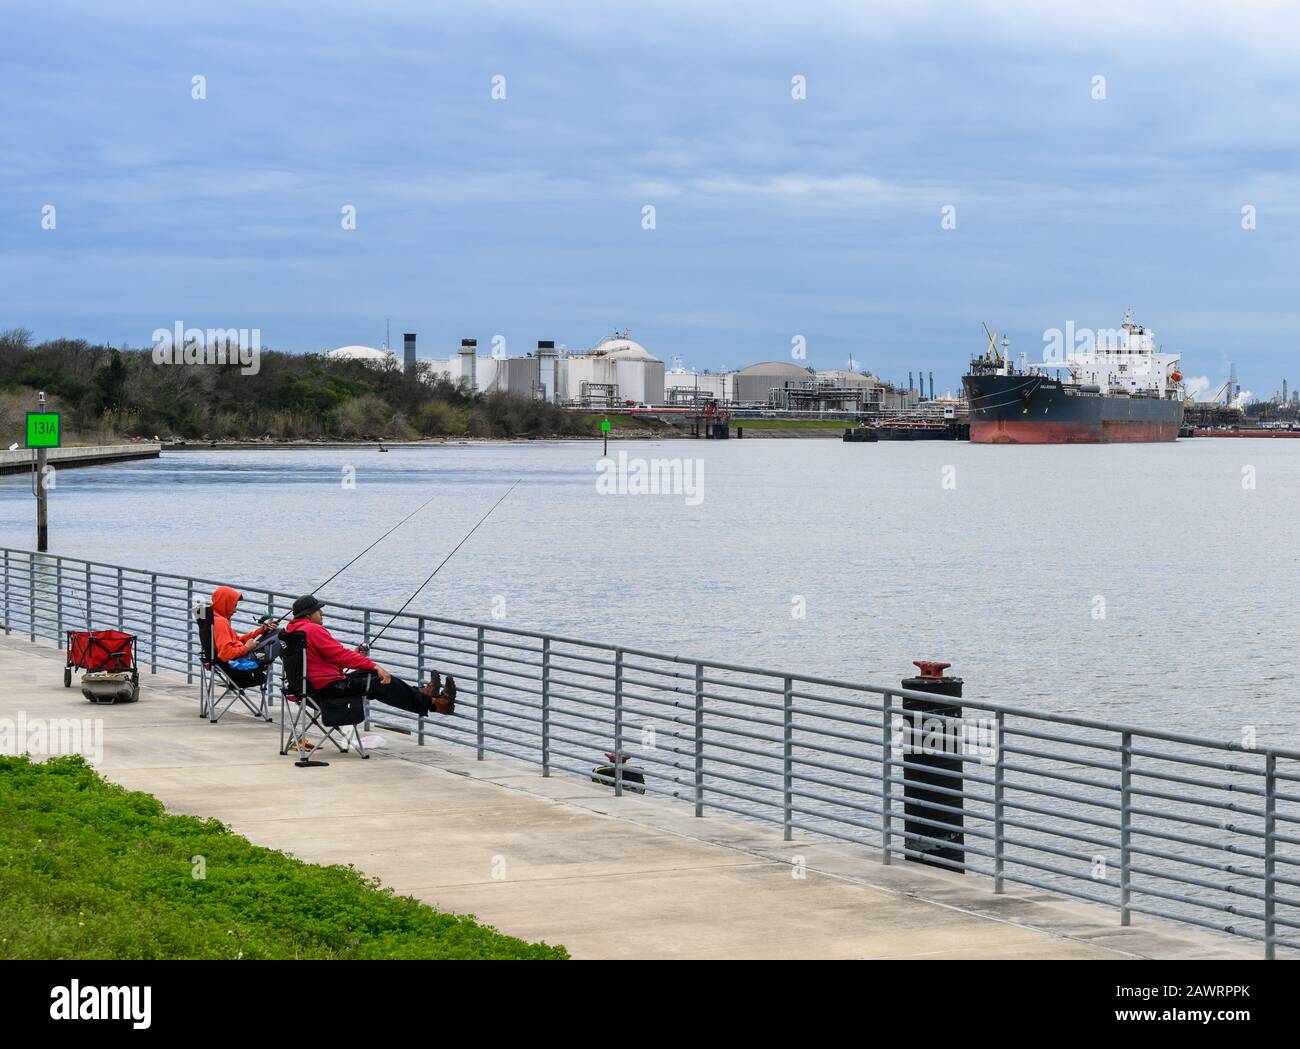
(212, 671)
(302, 715)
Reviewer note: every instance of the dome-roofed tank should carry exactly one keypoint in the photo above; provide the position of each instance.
(368, 354)
(754, 385)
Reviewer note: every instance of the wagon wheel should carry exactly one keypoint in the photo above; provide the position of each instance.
(67, 677)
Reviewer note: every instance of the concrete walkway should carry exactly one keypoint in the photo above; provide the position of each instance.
(560, 859)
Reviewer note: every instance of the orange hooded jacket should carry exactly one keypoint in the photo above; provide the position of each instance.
(225, 642)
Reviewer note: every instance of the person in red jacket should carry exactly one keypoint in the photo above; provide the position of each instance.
(333, 669)
(227, 644)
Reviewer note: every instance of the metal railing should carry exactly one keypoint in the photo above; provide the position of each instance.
(1145, 821)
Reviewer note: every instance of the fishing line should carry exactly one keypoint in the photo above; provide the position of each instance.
(374, 544)
(427, 581)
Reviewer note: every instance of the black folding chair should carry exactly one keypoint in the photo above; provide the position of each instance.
(255, 695)
(304, 718)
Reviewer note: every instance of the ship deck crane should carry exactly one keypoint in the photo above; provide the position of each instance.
(993, 355)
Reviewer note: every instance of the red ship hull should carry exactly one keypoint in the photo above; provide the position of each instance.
(1025, 408)
(1109, 431)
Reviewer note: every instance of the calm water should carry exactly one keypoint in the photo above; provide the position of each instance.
(1003, 573)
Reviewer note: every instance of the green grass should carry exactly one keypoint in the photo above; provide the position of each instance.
(91, 870)
(622, 422)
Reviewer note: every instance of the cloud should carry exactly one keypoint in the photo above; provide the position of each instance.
(824, 189)
(817, 216)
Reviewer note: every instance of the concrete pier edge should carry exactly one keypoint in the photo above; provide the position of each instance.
(20, 460)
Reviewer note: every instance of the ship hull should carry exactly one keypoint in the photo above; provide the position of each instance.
(1033, 409)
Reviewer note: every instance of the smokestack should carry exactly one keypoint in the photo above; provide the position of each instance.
(408, 351)
(546, 369)
(932, 386)
(910, 387)
(469, 364)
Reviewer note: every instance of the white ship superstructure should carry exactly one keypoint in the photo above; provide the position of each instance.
(1123, 361)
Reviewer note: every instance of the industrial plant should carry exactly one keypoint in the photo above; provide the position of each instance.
(619, 372)
(619, 375)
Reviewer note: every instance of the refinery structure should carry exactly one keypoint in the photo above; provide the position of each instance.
(1122, 388)
(619, 372)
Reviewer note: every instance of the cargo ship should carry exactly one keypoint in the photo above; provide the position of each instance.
(1118, 388)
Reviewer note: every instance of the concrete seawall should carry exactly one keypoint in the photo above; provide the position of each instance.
(20, 460)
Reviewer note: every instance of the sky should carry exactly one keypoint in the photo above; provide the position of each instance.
(1067, 198)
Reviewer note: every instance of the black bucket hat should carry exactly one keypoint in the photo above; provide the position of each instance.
(306, 605)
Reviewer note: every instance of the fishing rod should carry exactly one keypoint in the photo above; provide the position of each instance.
(366, 645)
(367, 550)
(374, 544)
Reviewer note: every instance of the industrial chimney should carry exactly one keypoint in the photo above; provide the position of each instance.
(408, 352)
(545, 390)
(469, 364)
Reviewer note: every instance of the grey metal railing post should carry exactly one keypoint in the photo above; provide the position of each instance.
(90, 615)
(365, 638)
(8, 606)
(699, 739)
(787, 761)
(153, 623)
(546, 707)
(58, 597)
(999, 790)
(1270, 830)
(419, 675)
(121, 610)
(1125, 799)
(31, 594)
(886, 787)
(618, 722)
(478, 696)
(189, 631)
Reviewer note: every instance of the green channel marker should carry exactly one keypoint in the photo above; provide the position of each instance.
(42, 430)
(604, 425)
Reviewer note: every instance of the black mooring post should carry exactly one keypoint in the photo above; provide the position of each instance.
(932, 742)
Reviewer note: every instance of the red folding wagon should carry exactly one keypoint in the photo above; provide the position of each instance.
(98, 651)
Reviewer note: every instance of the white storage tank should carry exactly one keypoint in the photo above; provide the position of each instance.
(617, 362)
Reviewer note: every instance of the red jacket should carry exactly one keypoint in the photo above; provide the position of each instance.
(326, 656)
(227, 644)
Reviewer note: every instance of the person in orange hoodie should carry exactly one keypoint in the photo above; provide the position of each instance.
(227, 645)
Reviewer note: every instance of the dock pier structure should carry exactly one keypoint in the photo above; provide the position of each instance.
(20, 460)
(1150, 841)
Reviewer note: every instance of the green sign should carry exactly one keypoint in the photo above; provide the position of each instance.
(42, 430)
(604, 426)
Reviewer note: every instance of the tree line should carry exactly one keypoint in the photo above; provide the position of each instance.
(104, 392)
